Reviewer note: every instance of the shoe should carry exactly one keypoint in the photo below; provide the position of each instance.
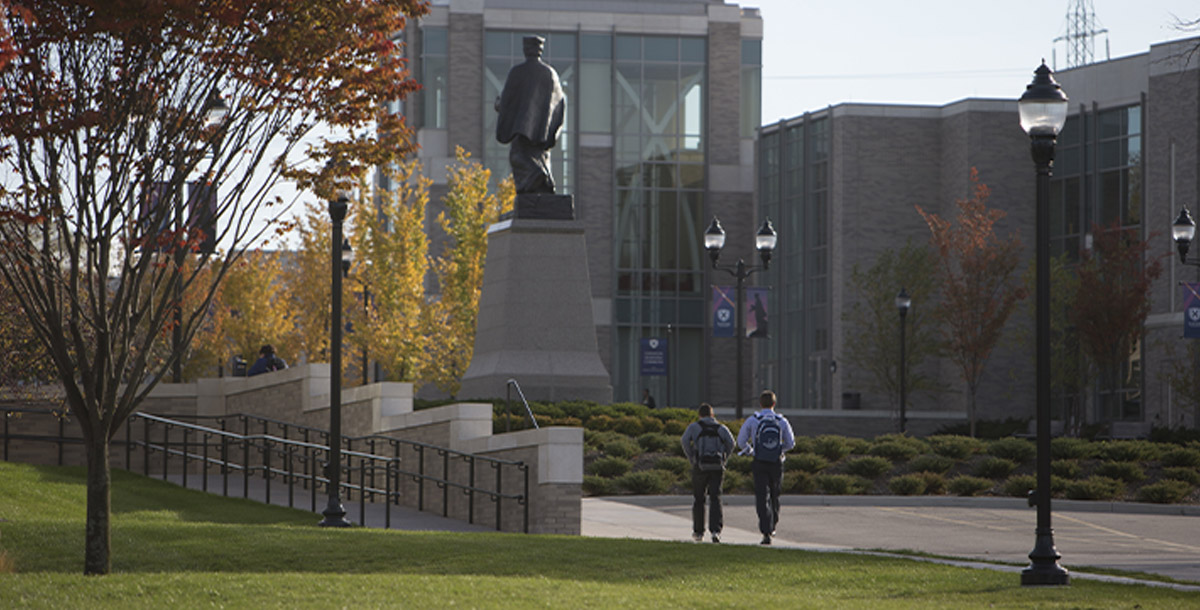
(717, 538)
(698, 537)
(766, 539)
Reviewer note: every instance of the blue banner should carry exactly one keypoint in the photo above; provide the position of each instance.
(724, 320)
(1191, 310)
(654, 357)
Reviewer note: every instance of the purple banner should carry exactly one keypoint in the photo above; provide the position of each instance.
(654, 357)
(1191, 310)
(756, 312)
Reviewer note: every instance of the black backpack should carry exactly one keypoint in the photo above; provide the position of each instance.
(710, 451)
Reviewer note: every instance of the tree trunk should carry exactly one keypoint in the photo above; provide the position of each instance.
(99, 507)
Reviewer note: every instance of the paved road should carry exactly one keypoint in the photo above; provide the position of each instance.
(1110, 535)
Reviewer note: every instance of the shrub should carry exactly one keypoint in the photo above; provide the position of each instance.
(675, 428)
(1181, 456)
(955, 447)
(629, 425)
(894, 450)
(804, 444)
(1095, 488)
(599, 422)
(842, 484)
(738, 463)
(968, 486)
(1182, 473)
(570, 422)
(630, 408)
(931, 463)
(935, 484)
(1129, 451)
(1019, 486)
(907, 485)
(1067, 469)
(987, 428)
(1017, 450)
(798, 482)
(993, 467)
(1129, 472)
(679, 466)
(868, 466)
(807, 462)
(597, 486)
(647, 482)
(621, 447)
(1058, 485)
(1070, 448)
(832, 448)
(598, 439)
(734, 481)
(1165, 492)
(609, 467)
(655, 442)
(651, 424)
(858, 446)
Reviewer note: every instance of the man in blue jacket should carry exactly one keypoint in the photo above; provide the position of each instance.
(766, 435)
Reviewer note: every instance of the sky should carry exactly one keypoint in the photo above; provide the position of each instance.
(819, 54)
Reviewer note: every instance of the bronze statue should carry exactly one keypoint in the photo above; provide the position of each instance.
(532, 109)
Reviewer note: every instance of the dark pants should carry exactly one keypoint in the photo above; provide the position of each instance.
(768, 477)
(707, 481)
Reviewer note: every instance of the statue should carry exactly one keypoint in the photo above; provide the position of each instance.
(532, 108)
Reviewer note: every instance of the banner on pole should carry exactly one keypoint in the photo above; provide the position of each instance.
(1191, 310)
(724, 322)
(756, 312)
(654, 357)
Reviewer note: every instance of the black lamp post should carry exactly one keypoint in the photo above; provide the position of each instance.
(764, 241)
(1184, 231)
(215, 111)
(903, 302)
(335, 513)
(1043, 110)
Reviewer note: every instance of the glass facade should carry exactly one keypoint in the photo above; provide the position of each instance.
(794, 192)
(1097, 181)
(434, 77)
(658, 139)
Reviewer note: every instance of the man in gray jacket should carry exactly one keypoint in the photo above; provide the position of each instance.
(707, 444)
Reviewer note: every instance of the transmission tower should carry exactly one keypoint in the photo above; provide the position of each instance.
(1082, 32)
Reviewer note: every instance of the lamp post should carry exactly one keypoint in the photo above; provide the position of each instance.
(903, 302)
(1043, 111)
(335, 513)
(764, 241)
(215, 111)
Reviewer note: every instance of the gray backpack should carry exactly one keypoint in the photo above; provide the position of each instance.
(710, 451)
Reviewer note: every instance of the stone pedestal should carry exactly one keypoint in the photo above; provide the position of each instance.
(535, 321)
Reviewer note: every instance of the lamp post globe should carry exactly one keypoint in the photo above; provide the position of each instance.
(1043, 112)
(1183, 231)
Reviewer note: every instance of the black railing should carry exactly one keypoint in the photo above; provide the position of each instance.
(61, 439)
(298, 455)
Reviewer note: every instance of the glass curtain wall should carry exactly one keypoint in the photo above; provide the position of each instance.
(1098, 181)
(658, 138)
(502, 51)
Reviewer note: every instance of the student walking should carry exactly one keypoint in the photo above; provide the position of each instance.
(707, 444)
(766, 435)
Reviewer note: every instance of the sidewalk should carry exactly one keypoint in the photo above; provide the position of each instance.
(1162, 540)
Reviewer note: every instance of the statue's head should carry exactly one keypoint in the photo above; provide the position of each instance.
(533, 46)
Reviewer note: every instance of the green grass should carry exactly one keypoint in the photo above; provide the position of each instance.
(183, 549)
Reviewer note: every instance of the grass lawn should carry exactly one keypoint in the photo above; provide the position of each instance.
(177, 548)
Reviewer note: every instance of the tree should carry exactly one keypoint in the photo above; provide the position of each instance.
(873, 321)
(102, 124)
(1112, 303)
(979, 291)
(470, 209)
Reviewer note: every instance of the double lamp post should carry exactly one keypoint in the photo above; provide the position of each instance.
(764, 242)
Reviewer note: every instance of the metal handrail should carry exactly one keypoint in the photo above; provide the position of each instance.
(508, 385)
(291, 452)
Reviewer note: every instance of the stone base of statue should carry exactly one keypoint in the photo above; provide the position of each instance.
(535, 321)
(542, 206)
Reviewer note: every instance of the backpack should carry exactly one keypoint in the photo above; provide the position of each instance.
(768, 439)
(710, 451)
